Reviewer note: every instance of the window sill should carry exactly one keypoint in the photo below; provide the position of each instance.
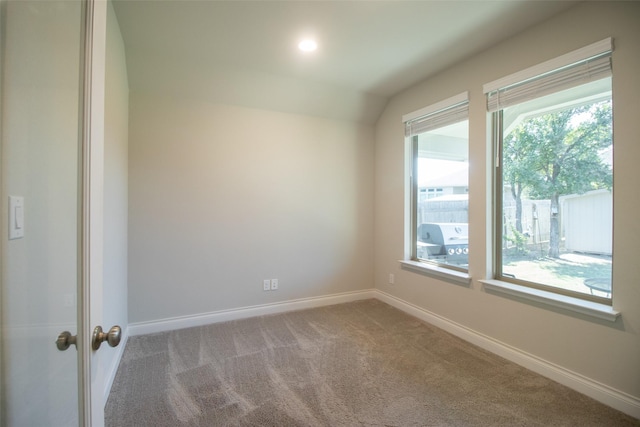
(588, 308)
(437, 272)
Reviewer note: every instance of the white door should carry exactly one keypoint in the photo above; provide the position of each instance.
(44, 248)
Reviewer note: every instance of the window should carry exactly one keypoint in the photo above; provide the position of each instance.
(438, 140)
(554, 175)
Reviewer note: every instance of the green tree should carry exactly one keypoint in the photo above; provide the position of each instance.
(519, 167)
(558, 154)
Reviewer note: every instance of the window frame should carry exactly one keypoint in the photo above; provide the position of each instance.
(497, 134)
(436, 110)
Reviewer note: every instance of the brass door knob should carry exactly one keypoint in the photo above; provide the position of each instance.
(65, 339)
(112, 337)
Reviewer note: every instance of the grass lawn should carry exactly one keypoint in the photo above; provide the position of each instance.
(567, 272)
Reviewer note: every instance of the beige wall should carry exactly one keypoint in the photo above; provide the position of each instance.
(222, 197)
(602, 351)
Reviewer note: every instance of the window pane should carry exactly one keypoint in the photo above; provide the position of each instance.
(442, 182)
(557, 182)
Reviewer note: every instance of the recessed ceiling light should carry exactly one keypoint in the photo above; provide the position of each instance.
(307, 45)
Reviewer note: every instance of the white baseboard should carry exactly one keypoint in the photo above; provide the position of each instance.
(140, 328)
(609, 396)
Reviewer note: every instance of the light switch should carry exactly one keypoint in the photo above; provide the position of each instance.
(16, 217)
(19, 217)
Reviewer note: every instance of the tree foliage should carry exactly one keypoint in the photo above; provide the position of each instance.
(557, 154)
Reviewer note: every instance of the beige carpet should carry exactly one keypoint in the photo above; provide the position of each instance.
(357, 364)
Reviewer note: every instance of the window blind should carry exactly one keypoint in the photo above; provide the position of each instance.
(453, 110)
(595, 65)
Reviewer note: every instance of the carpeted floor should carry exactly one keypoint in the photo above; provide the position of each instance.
(357, 364)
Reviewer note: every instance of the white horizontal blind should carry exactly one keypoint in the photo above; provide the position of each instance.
(594, 66)
(450, 114)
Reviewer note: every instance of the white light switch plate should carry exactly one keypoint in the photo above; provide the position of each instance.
(16, 217)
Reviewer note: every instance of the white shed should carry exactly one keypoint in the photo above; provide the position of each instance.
(587, 221)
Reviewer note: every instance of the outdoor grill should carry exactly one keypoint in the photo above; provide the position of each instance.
(445, 241)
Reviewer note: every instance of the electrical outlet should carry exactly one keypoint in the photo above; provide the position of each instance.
(266, 285)
(274, 284)
(392, 278)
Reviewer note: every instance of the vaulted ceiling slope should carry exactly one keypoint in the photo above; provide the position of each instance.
(245, 52)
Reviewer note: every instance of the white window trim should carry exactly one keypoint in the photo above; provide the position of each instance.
(437, 272)
(577, 305)
(456, 99)
(572, 303)
(432, 270)
(577, 55)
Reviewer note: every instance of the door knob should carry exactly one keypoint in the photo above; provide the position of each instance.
(65, 339)
(112, 337)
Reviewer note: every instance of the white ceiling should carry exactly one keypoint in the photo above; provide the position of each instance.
(245, 52)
